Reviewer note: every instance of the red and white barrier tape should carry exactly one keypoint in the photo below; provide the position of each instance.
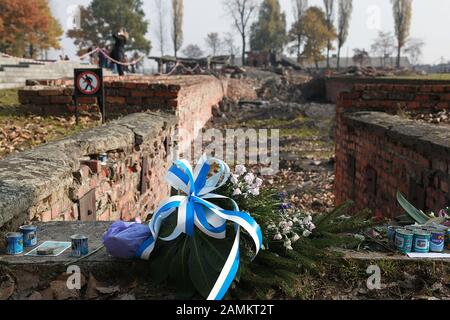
(111, 59)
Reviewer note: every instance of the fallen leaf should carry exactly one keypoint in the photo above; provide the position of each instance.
(62, 292)
(7, 286)
(35, 296)
(108, 290)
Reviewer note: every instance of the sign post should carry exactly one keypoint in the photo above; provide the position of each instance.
(89, 83)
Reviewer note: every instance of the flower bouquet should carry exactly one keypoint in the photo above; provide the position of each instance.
(228, 228)
(194, 250)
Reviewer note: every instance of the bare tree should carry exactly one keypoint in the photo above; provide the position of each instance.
(229, 44)
(213, 42)
(297, 34)
(161, 10)
(345, 12)
(414, 49)
(193, 51)
(329, 16)
(402, 17)
(383, 46)
(361, 57)
(241, 11)
(177, 25)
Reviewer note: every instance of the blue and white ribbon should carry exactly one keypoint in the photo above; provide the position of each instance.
(194, 209)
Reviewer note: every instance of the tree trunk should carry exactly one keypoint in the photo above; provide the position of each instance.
(339, 58)
(328, 54)
(243, 49)
(399, 52)
(31, 51)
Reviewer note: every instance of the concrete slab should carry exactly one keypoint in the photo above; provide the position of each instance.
(377, 256)
(61, 231)
(45, 277)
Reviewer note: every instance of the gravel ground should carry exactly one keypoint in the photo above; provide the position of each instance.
(436, 117)
(306, 148)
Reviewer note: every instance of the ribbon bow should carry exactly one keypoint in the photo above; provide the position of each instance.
(194, 209)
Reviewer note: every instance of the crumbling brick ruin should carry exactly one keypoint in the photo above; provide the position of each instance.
(378, 152)
(66, 181)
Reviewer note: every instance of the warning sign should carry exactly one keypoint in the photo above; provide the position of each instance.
(88, 82)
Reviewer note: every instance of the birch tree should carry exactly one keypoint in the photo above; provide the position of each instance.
(242, 12)
(345, 12)
(297, 34)
(402, 10)
(213, 42)
(177, 25)
(329, 18)
(161, 34)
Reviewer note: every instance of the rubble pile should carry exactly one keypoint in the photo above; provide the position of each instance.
(437, 117)
(241, 89)
(235, 72)
(306, 148)
(369, 71)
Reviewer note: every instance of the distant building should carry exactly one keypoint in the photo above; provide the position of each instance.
(258, 59)
(265, 59)
(439, 68)
(375, 62)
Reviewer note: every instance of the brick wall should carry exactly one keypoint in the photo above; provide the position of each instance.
(65, 181)
(334, 86)
(183, 96)
(378, 153)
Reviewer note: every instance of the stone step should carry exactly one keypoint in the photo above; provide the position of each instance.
(5, 86)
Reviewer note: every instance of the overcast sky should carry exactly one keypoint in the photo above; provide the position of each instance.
(430, 23)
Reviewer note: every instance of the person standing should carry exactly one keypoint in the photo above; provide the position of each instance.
(118, 51)
(102, 59)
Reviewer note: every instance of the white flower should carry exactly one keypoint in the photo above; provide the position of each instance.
(283, 224)
(240, 170)
(237, 192)
(278, 236)
(288, 244)
(286, 230)
(254, 191)
(307, 220)
(258, 182)
(290, 223)
(271, 226)
(311, 226)
(295, 237)
(249, 178)
(306, 233)
(234, 179)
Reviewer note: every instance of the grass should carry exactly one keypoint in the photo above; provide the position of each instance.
(302, 133)
(275, 123)
(431, 76)
(9, 97)
(297, 127)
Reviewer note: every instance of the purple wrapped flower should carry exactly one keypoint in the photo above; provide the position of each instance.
(123, 239)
